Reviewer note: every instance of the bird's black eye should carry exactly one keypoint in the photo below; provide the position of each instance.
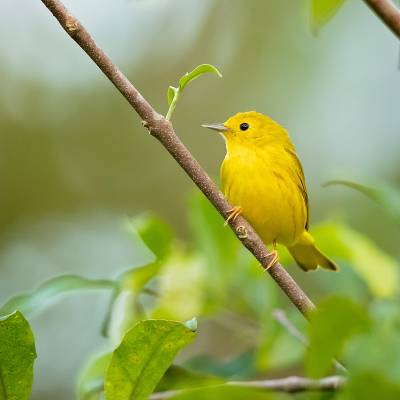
(244, 126)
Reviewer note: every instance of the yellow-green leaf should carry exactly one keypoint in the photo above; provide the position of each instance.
(198, 71)
(322, 11)
(171, 94)
(378, 269)
(17, 354)
(143, 357)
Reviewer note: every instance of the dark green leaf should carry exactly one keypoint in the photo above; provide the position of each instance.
(241, 366)
(322, 11)
(334, 322)
(155, 233)
(34, 301)
(198, 71)
(216, 241)
(17, 354)
(143, 357)
(378, 350)
(371, 386)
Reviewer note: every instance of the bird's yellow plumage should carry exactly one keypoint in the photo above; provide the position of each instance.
(263, 178)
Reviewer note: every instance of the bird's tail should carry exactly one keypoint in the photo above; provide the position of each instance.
(308, 256)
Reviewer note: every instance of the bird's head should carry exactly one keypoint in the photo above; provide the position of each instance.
(250, 128)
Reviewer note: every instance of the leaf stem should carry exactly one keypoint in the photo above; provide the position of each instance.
(173, 105)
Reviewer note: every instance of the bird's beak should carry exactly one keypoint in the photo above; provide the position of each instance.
(216, 127)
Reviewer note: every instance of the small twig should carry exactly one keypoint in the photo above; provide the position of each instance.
(388, 13)
(291, 384)
(281, 317)
(295, 384)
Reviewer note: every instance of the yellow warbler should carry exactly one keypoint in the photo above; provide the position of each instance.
(263, 178)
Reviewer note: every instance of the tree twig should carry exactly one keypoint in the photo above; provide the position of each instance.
(282, 318)
(388, 13)
(295, 384)
(291, 384)
(163, 130)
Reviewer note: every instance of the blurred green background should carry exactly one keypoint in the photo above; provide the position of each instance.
(75, 160)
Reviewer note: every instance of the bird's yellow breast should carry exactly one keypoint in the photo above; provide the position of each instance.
(263, 182)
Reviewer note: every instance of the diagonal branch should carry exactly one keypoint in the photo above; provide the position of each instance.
(163, 130)
(388, 13)
(291, 384)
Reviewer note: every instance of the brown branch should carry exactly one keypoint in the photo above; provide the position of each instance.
(291, 384)
(388, 13)
(162, 130)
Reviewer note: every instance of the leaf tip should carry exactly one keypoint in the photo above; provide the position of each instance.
(191, 324)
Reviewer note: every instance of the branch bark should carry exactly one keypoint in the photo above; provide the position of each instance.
(291, 384)
(388, 13)
(163, 131)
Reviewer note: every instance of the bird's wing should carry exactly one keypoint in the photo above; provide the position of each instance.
(298, 175)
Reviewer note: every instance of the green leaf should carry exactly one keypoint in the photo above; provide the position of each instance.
(182, 287)
(227, 393)
(91, 379)
(334, 322)
(155, 233)
(174, 93)
(17, 354)
(213, 240)
(178, 377)
(378, 350)
(386, 196)
(171, 94)
(378, 269)
(31, 302)
(371, 386)
(143, 357)
(322, 11)
(198, 71)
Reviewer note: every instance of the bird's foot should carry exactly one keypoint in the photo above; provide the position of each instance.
(273, 256)
(233, 214)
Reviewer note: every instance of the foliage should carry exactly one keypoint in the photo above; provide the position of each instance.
(145, 353)
(173, 93)
(387, 196)
(17, 354)
(32, 302)
(322, 11)
(335, 321)
(216, 279)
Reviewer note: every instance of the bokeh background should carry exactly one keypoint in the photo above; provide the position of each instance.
(75, 161)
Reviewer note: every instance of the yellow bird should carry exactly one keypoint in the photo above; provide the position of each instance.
(264, 181)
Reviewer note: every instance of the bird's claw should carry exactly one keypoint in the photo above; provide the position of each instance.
(274, 259)
(233, 214)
